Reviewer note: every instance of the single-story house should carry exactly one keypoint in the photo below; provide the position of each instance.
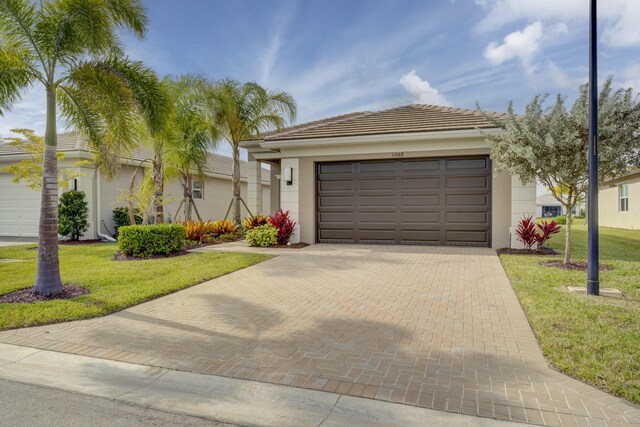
(20, 205)
(548, 206)
(619, 202)
(416, 174)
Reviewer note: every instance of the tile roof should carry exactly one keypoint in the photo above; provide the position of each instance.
(216, 163)
(405, 119)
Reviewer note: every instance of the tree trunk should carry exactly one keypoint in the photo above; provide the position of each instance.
(188, 196)
(158, 187)
(48, 281)
(236, 185)
(567, 237)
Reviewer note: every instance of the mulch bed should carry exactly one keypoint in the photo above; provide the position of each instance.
(291, 246)
(26, 296)
(575, 265)
(512, 251)
(122, 257)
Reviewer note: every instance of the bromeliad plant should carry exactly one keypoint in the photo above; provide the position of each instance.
(198, 231)
(252, 222)
(530, 233)
(284, 225)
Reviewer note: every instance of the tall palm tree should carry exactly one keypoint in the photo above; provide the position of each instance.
(243, 111)
(195, 132)
(71, 48)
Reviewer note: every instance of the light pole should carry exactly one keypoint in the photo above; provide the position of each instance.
(593, 281)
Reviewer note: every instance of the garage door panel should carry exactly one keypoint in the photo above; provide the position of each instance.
(453, 200)
(376, 200)
(443, 201)
(422, 165)
(332, 168)
(467, 182)
(467, 217)
(420, 200)
(467, 164)
(420, 183)
(377, 184)
(344, 201)
(338, 185)
(420, 217)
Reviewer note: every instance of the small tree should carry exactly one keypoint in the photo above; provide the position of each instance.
(73, 213)
(551, 144)
(29, 170)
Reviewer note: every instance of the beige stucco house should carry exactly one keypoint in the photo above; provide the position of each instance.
(619, 202)
(20, 206)
(416, 174)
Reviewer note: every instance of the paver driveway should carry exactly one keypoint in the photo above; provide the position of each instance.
(434, 327)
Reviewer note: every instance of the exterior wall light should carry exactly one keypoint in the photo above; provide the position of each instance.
(288, 175)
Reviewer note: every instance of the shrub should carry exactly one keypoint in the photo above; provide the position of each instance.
(148, 240)
(562, 219)
(526, 232)
(121, 217)
(229, 237)
(254, 221)
(284, 225)
(547, 229)
(262, 235)
(223, 227)
(73, 213)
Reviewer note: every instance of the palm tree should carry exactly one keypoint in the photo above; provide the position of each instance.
(243, 111)
(195, 133)
(72, 49)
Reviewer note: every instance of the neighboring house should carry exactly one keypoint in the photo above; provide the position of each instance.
(548, 206)
(619, 202)
(20, 206)
(416, 174)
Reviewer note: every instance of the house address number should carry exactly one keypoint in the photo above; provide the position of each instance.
(397, 154)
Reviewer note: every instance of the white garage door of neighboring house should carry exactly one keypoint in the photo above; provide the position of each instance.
(19, 209)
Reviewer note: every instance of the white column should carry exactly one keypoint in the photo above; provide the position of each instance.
(523, 203)
(254, 186)
(290, 196)
(274, 189)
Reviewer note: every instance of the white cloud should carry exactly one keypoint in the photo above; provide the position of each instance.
(523, 45)
(560, 78)
(617, 18)
(421, 90)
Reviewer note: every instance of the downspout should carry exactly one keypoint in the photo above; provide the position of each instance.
(98, 219)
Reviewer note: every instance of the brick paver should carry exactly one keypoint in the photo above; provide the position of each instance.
(433, 327)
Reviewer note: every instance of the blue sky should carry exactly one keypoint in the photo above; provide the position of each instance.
(342, 56)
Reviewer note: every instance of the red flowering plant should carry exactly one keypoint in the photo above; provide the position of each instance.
(529, 235)
(284, 225)
(547, 229)
(527, 232)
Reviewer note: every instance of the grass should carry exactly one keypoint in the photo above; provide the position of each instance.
(595, 339)
(114, 285)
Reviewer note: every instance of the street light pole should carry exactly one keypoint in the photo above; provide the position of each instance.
(593, 281)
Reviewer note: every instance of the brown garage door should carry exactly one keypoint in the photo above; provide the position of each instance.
(434, 201)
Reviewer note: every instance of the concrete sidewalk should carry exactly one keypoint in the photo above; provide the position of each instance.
(222, 399)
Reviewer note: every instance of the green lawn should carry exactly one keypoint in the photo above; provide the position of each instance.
(114, 285)
(595, 339)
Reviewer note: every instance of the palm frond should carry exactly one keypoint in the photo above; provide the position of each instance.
(17, 72)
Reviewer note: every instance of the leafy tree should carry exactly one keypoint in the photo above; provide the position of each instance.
(73, 212)
(30, 170)
(551, 144)
(71, 48)
(243, 111)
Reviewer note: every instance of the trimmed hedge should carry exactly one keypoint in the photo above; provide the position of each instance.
(263, 235)
(145, 241)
